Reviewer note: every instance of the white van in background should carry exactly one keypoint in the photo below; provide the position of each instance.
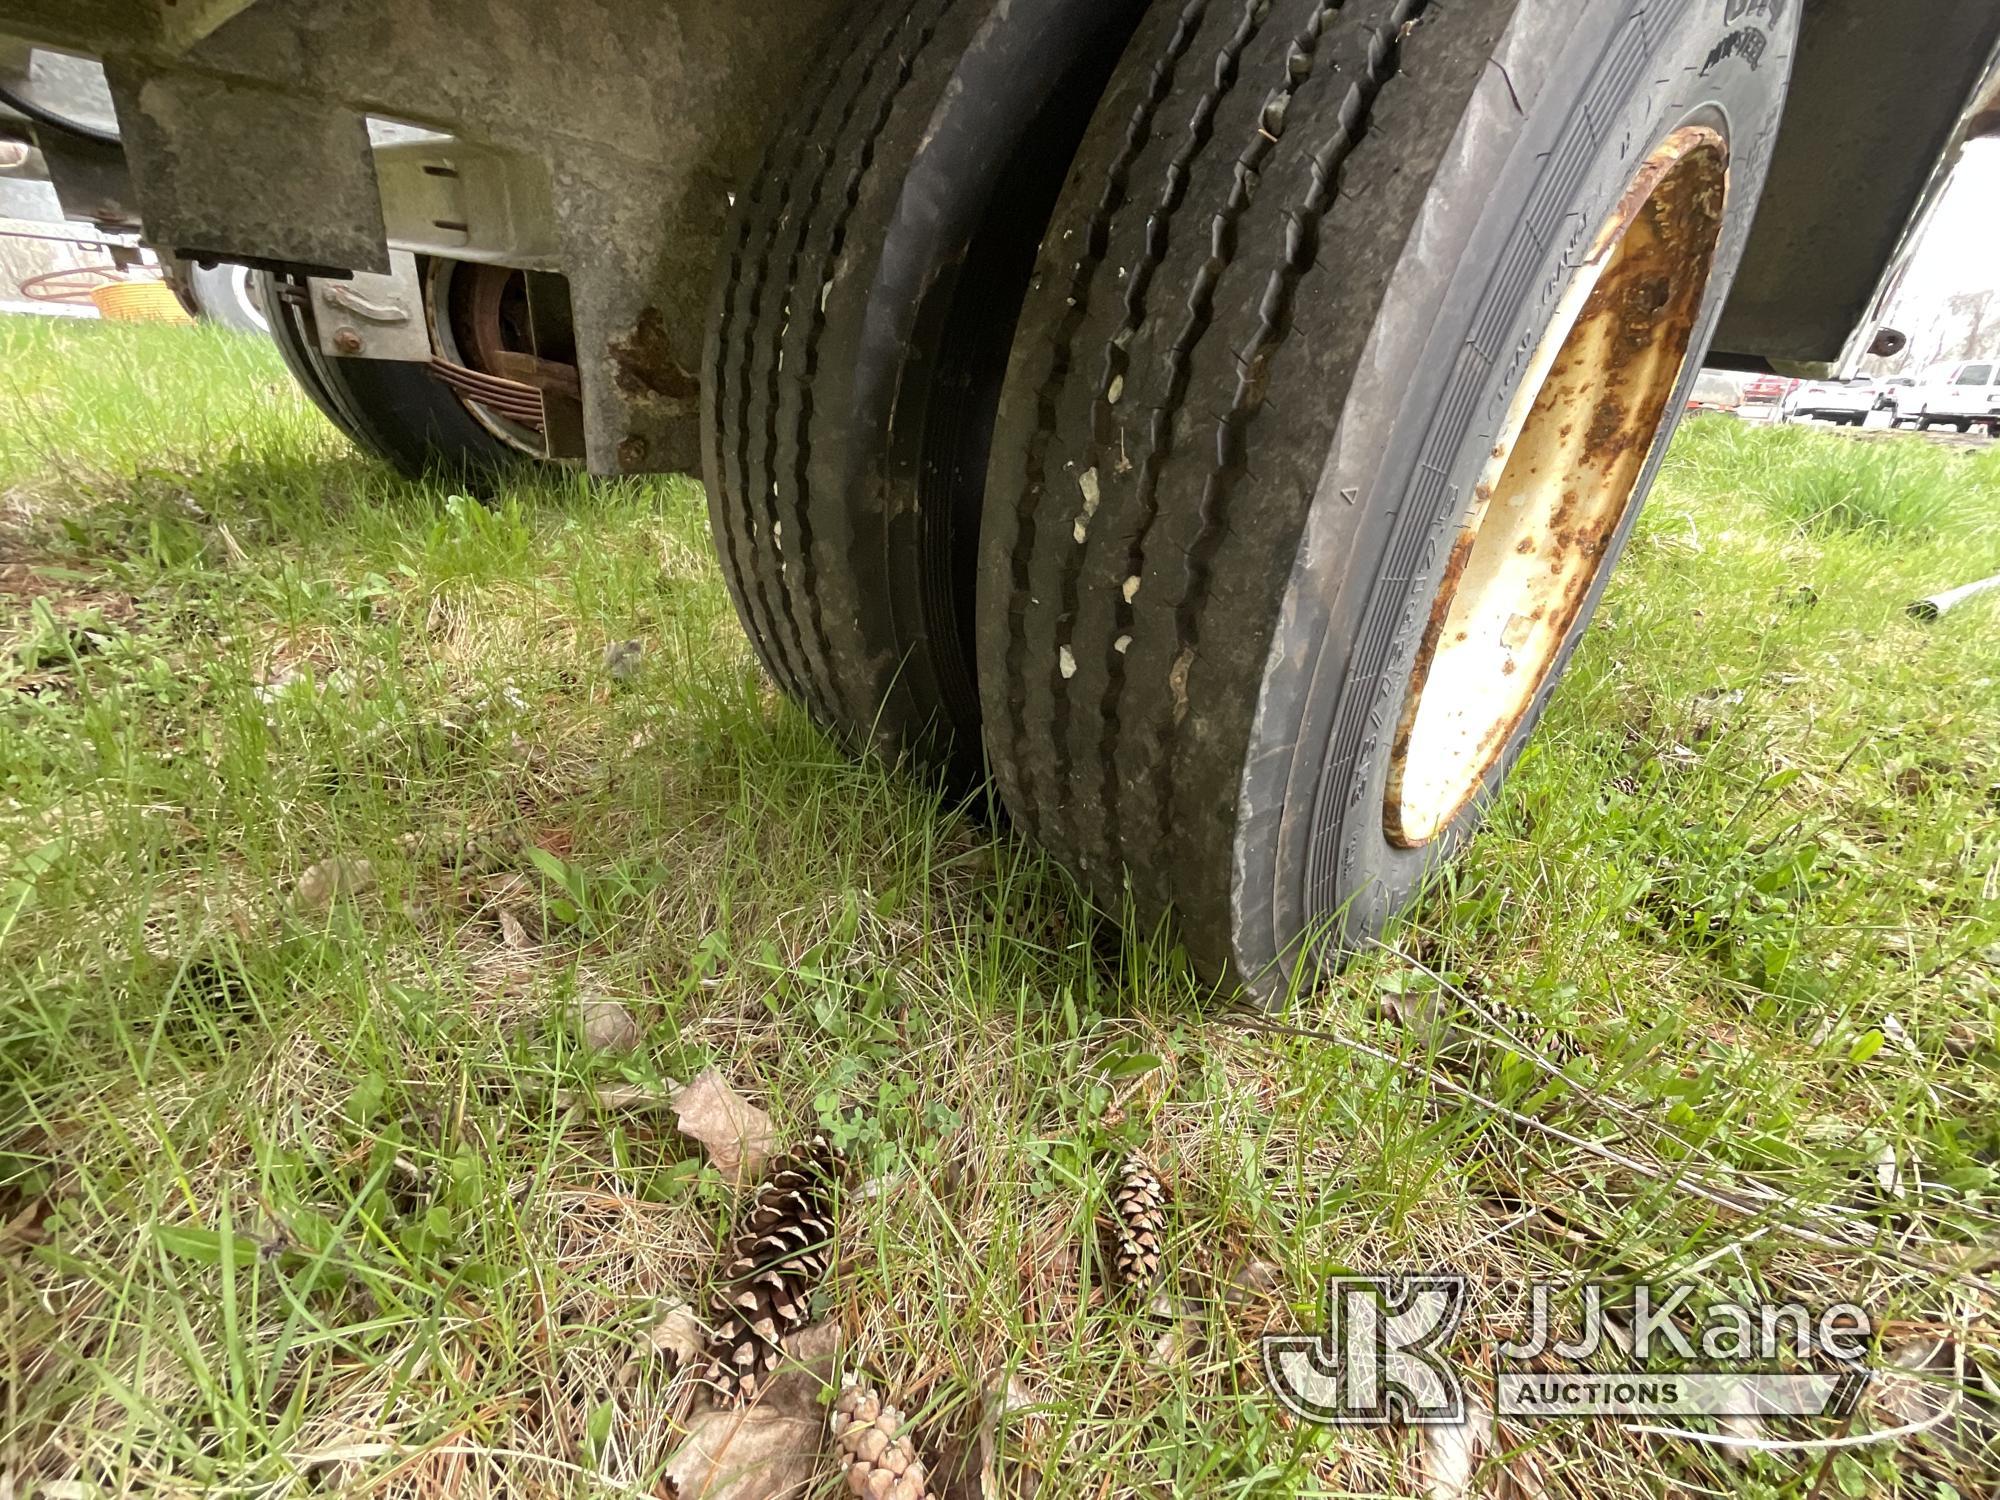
(1962, 396)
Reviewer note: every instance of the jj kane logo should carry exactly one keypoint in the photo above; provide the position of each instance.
(1381, 1358)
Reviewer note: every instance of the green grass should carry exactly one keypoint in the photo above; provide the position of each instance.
(298, 1199)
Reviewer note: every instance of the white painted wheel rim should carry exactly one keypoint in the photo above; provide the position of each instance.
(1558, 483)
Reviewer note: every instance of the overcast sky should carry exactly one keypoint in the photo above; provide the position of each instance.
(1962, 253)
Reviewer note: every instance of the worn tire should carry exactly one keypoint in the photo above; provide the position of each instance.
(391, 409)
(850, 387)
(1303, 260)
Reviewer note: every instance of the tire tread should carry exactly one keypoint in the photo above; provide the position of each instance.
(1092, 695)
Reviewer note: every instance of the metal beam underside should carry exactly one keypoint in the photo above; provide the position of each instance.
(640, 116)
(1878, 94)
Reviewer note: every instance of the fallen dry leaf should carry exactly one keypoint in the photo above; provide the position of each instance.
(756, 1454)
(1178, 1331)
(997, 1477)
(1451, 1453)
(1745, 1429)
(606, 1025)
(676, 1334)
(513, 933)
(677, 1331)
(330, 879)
(770, 1449)
(1254, 1281)
(738, 1136)
(1928, 1382)
(1915, 1384)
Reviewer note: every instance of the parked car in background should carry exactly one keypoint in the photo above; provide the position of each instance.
(1961, 396)
(1714, 391)
(1895, 393)
(1768, 390)
(1845, 402)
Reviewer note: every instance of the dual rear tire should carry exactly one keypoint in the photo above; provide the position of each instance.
(1293, 429)
(860, 332)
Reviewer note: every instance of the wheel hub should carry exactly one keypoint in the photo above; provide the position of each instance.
(479, 330)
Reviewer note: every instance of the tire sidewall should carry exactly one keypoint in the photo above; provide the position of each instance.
(1578, 94)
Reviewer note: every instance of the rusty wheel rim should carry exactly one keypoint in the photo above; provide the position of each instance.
(1559, 483)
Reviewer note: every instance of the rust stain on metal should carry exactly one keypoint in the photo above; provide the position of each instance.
(544, 375)
(1560, 484)
(643, 363)
(1670, 153)
(483, 333)
(481, 294)
(1454, 568)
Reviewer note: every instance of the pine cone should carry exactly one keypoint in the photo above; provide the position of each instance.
(1531, 1031)
(878, 1457)
(1140, 1201)
(780, 1251)
(1461, 1034)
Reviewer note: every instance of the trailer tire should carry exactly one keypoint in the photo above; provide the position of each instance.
(849, 386)
(229, 295)
(1287, 341)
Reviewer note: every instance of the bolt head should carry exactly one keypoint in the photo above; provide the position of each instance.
(347, 341)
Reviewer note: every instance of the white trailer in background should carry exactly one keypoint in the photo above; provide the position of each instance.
(1963, 396)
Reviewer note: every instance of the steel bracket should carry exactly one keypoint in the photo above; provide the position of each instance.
(372, 316)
